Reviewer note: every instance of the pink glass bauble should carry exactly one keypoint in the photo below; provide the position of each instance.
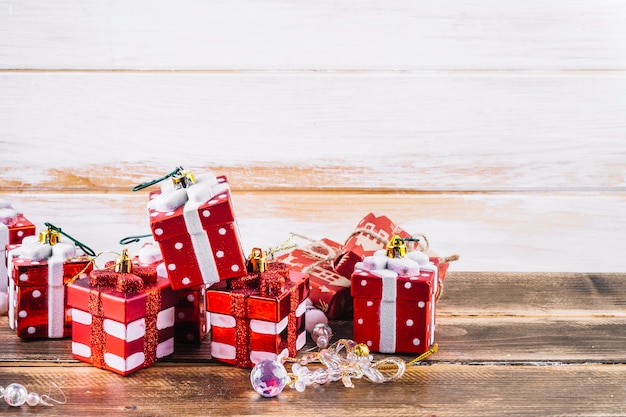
(268, 378)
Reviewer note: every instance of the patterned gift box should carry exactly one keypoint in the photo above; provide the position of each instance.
(38, 275)
(330, 291)
(192, 318)
(370, 235)
(196, 230)
(258, 320)
(13, 228)
(122, 321)
(394, 302)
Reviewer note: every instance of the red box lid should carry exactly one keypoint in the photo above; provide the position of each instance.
(215, 211)
(365, 284)
(260, 307)
(30, 273)
(118, 306)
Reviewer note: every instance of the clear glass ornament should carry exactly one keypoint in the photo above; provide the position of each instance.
(321, 335)
(269, 378)
(15, 394)
(33, 399)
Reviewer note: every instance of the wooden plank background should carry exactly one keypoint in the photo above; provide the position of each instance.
(495, 127)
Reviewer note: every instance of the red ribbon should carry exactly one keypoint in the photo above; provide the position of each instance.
(128, 283)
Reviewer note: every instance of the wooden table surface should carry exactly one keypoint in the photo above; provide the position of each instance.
(495, 127)
(523, 344)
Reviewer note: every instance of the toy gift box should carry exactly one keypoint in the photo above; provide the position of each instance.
(192, 319)
(394, 302)
(192, 322)
(371, 234)
(330, 291)
(13, 228)
(195, 227)
(39, 273)
(258, 320)
(122, 321)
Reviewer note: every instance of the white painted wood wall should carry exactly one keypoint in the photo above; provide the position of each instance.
(502, 123)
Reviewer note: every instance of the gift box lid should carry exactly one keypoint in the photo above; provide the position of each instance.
(258, 306)
(369, 284)
(214, 207)
(35, 273)
(29, 262)
(118, 306)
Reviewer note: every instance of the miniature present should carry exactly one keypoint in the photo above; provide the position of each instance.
(192, 318)
(39, 270)
(193, 221)
(330, 291)
(259, 316)
(13, 228)
(192, 321)
(371, 234)
(123, 317)
(394, 300)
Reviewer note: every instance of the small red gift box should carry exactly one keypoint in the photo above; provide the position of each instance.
(330, 291)
(13, 228)
(258, 320)
(192, 319)
(196, 230)
(122, 321)
(371, 234)
(394, 302)
(192, 324)
(39, 273)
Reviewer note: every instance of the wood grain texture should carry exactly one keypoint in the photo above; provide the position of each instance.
(401, 132)
(442, 389)
(469, 340)
(509, 318)
(494, 127)
(335, 35)
(491, 232)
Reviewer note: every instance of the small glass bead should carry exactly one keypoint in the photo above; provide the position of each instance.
(32, 399)
(321, 335)
(15, 395)
(269, 378)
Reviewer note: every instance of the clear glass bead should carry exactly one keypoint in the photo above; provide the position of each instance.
(321, 335)
(15, 395)
(320, 376)
(32, 399)
(269, 378)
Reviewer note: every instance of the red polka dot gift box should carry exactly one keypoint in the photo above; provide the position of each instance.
(13, 228)
(192, 318)
(196, 230)
(394, 302)
(258, 316)
(123, 317)
(39, 270)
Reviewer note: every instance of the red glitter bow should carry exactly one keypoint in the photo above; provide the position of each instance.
(127, 282)
(269, 282)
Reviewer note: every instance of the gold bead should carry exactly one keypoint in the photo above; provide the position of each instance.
(361, 350)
